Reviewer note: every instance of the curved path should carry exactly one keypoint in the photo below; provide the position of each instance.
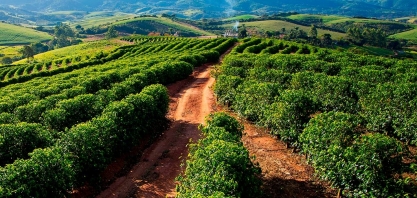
(154, 175)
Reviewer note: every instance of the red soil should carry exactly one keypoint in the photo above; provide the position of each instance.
(154, 175)
(284, 173)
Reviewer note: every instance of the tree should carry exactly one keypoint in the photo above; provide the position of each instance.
(243, 33)
(283, 30)
(313, 32)
(394, 45)
(297, 33)
(63, 30)
(269, 33)
(63, 36)
(326, 40)
(40, 28)
(111, 33)
(39, 47)
(6, 61)
(27, 52)
(369, 36)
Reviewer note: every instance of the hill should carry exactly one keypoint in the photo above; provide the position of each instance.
(86, 49)
(144, 25)
(409, 35)
(13, 35)
(225, 8)
(342, 24)
(277, 25)
(90, 19)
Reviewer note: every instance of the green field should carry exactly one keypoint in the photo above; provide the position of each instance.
(371, 50)
(191, 12)
(67, 13)
(276, 25)
(410, 19)
(101, 18)
(240, 17)
(325, 18)
(333, 19)
(409, 35)
(90, 49)
(358, 20)
(15, 35)
(10, 51)
(169, 22)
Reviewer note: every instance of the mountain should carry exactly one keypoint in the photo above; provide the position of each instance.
(221, 8)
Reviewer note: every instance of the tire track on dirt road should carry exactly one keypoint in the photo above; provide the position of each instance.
(154, 175)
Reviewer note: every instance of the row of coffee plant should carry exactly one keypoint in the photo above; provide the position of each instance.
(260, 46)
(353, 116)
(85, 149)
(140, 39)
(219, 164)
(62, 129)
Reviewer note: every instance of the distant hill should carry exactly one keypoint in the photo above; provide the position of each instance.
(198, 9)
(14, 35)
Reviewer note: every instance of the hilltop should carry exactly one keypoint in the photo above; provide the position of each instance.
(29, 10)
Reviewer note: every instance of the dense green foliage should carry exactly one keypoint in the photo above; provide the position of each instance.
(352, 115)
(219, 165)
(63, 129)
(17, 140)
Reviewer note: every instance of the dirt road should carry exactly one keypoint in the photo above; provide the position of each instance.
(154, 175)
(284, 174)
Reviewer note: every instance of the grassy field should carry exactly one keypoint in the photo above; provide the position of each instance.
(10, 51)
(89, 48)
(372, 50)
(357, 20)
(67, 13)
(409, 35)
(410, 19)
(101, 18)
(240, 17)
(191, 12)
(15, 35)
(169, 22)
(333, 19)
(325, 18)
(276, 25)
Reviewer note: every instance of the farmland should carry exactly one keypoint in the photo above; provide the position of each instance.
(335, 121)
(409, 35)
(277, 25)
(241, 17)
(99, 18)
(351, 115)
(167, 22)
(84, 112)
(15, 35)
(344, 23)
(310, 17)
(10, 51)
(86, 49)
